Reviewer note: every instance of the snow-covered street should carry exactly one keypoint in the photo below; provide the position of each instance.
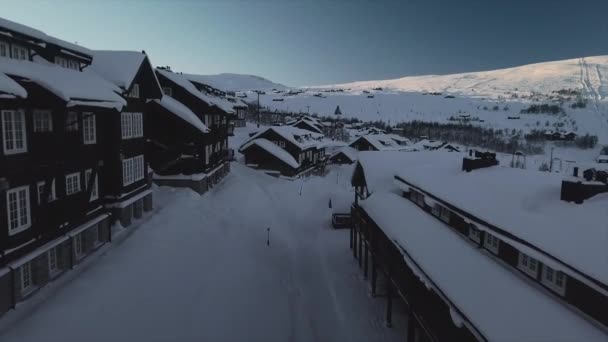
(200, 269)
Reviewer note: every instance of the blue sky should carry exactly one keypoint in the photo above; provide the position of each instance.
(310, 42)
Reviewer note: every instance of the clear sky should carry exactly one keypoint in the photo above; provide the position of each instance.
(311, 42)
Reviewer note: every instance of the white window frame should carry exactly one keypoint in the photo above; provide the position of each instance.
(69, 179)
(53, 261)
(52, 195)
(22, 53)
(74, 65)
(22, 206)
(43, 120)
(491, 243)
(126, 124)
(95, 190)
(61, 61)
(6, 48)
(27, 278)
(78, 250)
(134, 93)
(445, 214)
(168, 91)
(138, 125)
(474, 233)
(71, 122)
(89, 128)
(552, 279)
(528, 264)
(10, 131)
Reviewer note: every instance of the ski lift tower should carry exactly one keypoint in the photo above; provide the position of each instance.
(338, 113)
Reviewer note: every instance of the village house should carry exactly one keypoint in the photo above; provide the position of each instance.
(58, 121)
(532, 256)
(381, 142)
(209, 159)
(344, 155)
(286, 150)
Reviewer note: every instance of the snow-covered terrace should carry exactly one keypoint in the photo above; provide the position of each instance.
(525, 204)
(472, 282)
(69, 85)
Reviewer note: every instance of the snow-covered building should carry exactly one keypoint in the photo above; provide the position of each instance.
(308, 123)
(512, 257)
(60, 122)
(381, 142)
(125, 178)
(285, 150)
(344, 155)
(209, 156)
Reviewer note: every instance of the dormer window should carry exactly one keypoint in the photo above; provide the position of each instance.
(168, 91)
(4, 51)
(20, 53)
(67, 63)
(528, 264)
(491, 243)
(474, 233)
(134, 93)
(71, 122)
(555, 280)
(43, 121)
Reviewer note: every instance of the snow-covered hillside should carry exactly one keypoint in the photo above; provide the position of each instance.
(237, 82)
(492, 98)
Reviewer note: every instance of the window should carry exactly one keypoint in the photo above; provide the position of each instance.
(528, 264)
(43, 121)
(127, 125)
(26, 277)
(78, 245)
(4, 49)
(133, 170)
(53, 264)
(72, 64)
(168, 91)
(95, 188)
(491, 242)
(19, 52)
(417, 197)
(207, 154)
(139, 168)
(553, 279)
(474, 233)
(72, 183)
(445, 214)
(138, 125)
(71, 122)
(89, 128)
(134, 91)
(18, 209)
(127, 171)
(13, 127)
(132, 125)
(52, 195)
(61, 61)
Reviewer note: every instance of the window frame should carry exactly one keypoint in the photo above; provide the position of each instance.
(95, 191)
(7, 49)
(4, 117)
(71, 122)
(524, 263)
(134, 92)
(67, 183)
(89, 128)
(553, 283)
(167, 91)
(26, 288)
(18, 209)
(474, 233)
(53, 194)
(22, 52)
(488, 242)
(42, 120)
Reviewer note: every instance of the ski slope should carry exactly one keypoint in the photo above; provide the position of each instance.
(200, 270)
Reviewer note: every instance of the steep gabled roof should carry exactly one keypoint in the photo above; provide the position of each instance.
(67, 84)
(183, 112)
(382, 142)
(118, 67)
(273, 149)
(299, 137)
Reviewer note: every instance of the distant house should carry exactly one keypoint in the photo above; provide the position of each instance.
(309, 125)
(345, 155)
(380, 142)
(287, 151)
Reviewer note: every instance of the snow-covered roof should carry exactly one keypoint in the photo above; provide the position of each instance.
(427, 144)
(65, 83)
(474, 283)
(183, 81)
(383, 142)
(37, 34)
(118, 67)
(309, 124)
(9, 86)
(183, 112)
(273, 149)
(525, 204)
(297, 136)
(348, 151)
(380, 167)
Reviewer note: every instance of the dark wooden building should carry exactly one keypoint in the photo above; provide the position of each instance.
(285, 150)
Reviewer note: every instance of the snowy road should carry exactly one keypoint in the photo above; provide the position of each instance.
(201, 270)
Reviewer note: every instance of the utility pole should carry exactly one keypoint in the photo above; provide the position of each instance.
(258, 92)
(308, 110)
(551, 161)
